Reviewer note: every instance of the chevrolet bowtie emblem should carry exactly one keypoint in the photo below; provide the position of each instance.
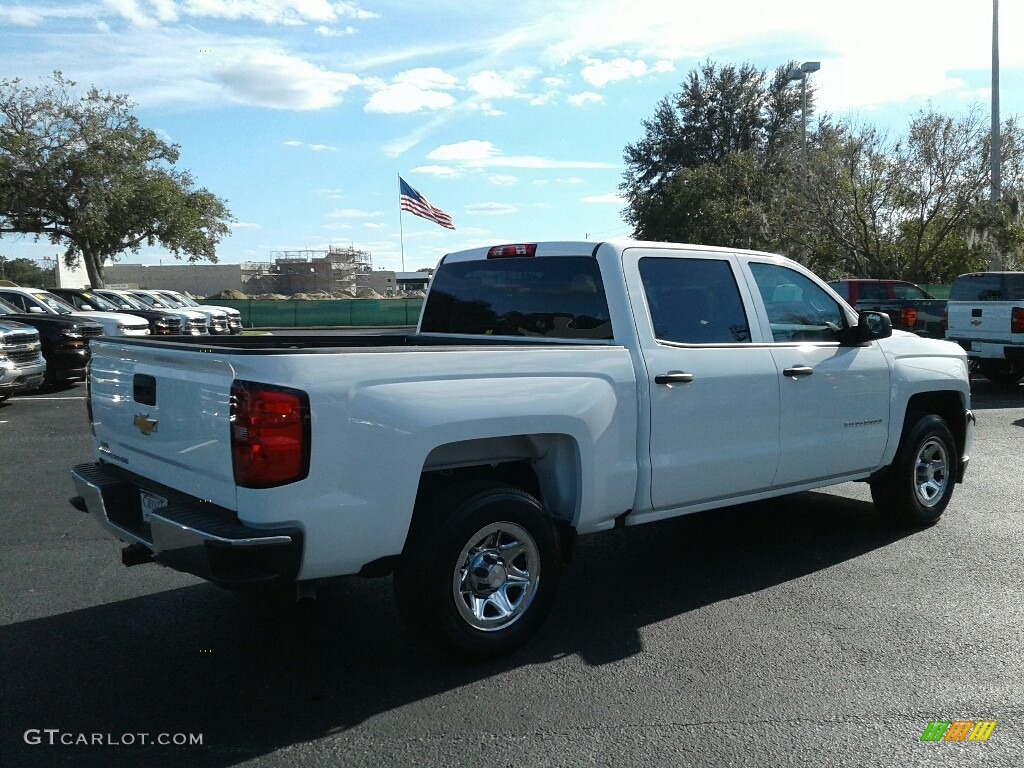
(145, 425)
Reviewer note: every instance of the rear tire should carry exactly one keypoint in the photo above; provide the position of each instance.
(916, 488)
(480, 570)
(1002, 372)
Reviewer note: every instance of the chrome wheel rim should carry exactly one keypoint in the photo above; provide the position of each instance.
(496, 576)
(931, 473)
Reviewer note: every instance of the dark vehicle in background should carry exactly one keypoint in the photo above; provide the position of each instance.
(22, 365)
(986, 318)
(161, 323)
(910, 307)
(64, 339)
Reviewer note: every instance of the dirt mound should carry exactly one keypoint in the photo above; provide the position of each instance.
(229, 294)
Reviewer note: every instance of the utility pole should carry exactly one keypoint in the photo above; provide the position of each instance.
(996, 261)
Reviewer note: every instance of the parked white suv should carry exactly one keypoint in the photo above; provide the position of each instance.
(40, 302)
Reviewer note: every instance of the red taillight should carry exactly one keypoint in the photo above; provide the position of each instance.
(512, 251)
(269, 434)
(1017, 320)
(908, 317)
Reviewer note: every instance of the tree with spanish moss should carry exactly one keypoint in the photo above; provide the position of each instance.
(82, 172)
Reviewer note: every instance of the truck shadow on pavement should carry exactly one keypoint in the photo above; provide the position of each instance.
(255, 677)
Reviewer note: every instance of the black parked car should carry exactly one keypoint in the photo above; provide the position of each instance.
(65, 341)
(161, 322)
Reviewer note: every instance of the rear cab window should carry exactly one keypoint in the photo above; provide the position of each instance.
(988, 286)
(553, 297)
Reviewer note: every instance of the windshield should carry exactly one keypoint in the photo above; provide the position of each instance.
(171, 300)
(9, 309)
(152, 301)
(124, 302)
(186, 300)
(99, 302)
(54, 305)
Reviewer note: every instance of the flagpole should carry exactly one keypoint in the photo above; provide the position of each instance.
(401, 231)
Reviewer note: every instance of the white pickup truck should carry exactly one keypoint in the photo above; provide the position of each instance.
(985, 315)
(549, 390)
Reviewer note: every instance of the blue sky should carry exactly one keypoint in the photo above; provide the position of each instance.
(511, 117)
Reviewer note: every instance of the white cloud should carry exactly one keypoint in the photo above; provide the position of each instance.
(502, 180)
(20, 17)
(491, 85)
(415, 90)
(322, 148)
(428, 78)
(287, 12)
(294, 143)
(599, 73)
(353, 213)
(401, 99)
(129, 10)
(610, 197)
(483, 154)
(278, 81)
(244, 225)
(166, 10)
(587, 97)
(491, 209)
(102, 26)
(435, 170)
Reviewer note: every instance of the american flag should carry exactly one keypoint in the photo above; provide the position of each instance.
(416, 204)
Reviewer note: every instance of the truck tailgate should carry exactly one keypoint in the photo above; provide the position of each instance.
(165, 413)
(984, 321)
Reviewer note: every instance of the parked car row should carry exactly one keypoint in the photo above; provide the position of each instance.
(44, 334)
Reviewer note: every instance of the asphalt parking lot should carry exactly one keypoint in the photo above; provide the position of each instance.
(797, 632)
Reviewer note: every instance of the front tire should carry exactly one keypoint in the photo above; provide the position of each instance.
(480, 570)
(916, 488)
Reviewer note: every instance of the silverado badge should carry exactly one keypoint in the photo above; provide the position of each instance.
(145, 425)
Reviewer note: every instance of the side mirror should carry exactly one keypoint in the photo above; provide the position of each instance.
(36, 310)
(870, 326)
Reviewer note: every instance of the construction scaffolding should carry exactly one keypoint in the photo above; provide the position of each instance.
(332, 271)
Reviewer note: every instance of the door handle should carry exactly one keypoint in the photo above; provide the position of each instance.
(797, 371)
(675, 377)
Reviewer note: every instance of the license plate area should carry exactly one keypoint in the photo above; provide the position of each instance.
(149, 503)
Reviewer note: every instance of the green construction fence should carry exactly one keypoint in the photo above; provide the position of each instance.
(293, 313)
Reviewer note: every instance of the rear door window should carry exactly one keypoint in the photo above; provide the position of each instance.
(694, 301)
(555, 297)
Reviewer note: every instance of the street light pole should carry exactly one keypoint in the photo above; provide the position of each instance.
(995, 261)
(800, 73)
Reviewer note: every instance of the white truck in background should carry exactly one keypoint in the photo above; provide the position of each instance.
(985, 315)
(550, 390)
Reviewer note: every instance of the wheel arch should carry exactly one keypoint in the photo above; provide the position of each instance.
(950, 406)
(547, 466)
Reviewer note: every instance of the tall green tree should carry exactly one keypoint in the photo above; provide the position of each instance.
(82, 172)
(914, 208)
(24, 272)
(699, 174)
